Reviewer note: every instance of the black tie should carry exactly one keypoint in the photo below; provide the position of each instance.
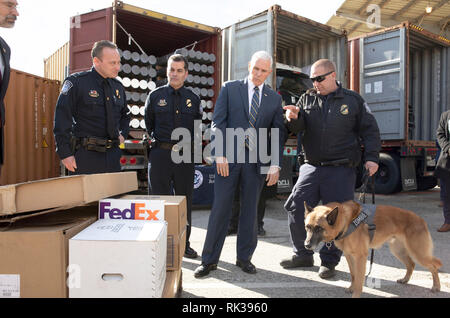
(110, 126)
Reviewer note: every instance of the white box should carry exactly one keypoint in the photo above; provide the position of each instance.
(118, 258)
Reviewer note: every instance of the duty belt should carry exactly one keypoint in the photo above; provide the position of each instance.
(170, 146)
(334, 163)
(97, 144)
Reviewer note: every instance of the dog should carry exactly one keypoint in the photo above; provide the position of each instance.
(407, 234)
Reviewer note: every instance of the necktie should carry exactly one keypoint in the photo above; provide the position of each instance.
(110, 125)
(251, 141)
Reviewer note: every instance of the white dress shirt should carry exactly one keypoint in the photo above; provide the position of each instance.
(251, 91)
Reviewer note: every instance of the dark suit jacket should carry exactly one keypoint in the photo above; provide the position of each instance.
(5, 55)
(443, 138)
(232, 111)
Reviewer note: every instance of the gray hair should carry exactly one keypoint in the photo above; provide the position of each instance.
(261, 55)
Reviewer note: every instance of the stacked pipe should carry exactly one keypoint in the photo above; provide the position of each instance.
(137, 74)
(200, 80)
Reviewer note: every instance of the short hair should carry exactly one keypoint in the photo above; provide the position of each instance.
(261, 55)
(178, 58)
(97, 49)
(328, 65)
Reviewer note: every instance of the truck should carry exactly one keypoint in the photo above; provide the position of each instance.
(403, 74)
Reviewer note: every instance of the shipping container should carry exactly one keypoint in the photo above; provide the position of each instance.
(56, 66)
(141, 32)
(403, 74)
(29, 144)
(295, 43)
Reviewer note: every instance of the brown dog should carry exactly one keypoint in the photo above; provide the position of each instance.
(407, 234)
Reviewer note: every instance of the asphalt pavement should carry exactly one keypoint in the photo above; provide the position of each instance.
(273, 281)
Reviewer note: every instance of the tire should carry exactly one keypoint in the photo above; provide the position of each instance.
(387, 178)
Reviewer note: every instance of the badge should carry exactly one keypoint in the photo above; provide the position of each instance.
(162, 103)
(189, 103)
(66, 87)
(344, 110)
(117, 94)
(93, 93)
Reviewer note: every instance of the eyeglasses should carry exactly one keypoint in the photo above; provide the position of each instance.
(320, 78)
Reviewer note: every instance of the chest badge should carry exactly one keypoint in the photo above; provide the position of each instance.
(189, 103)
(344, 109)
(93, 93)
(162, 103)
(117, 94)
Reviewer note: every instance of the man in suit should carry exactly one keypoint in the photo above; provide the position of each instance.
(8, 16)
(243, 105)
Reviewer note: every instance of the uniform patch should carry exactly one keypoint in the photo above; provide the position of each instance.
(367, 108)
(344, 109)
(189, 103)
(66, 87)
(162, 103)
(93, 93)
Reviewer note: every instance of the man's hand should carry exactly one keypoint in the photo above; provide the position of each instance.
(222, 166)
(291, 112)
(121, 139)
(273, 175)
(372, 167)
(70, 163)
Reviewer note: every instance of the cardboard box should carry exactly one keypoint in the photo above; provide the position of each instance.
(34, 253)
(67, 191)
(118, 259)
(173, 284)
(175, 214)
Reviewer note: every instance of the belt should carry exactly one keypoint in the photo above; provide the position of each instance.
(333, 163)
(97, 144)
(167, 146)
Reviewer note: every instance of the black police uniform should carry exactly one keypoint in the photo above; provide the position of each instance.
(334, 126)
(165, 110)
(88, 122)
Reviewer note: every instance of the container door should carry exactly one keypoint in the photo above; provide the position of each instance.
(382, 81)
(243, 39)
(85, 30)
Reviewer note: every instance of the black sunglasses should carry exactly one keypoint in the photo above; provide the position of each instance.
(320, 78)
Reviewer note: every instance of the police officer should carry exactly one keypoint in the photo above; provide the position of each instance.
(167, 108)
(91, 116)
(334, 122)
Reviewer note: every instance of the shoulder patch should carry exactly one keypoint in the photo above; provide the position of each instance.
(66, 87)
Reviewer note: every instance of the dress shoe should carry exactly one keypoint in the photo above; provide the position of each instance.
(297, 261)
(190, 253)
(261, 231)
(444, 228)
(326, 271)
(246, 266)
(204, 270)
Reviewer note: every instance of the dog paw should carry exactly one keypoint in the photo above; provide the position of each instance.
(349, 290)
(435, 289)
(402, 281)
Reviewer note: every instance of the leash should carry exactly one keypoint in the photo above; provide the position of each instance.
(362, 197)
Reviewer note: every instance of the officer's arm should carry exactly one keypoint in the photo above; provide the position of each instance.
(64, 111)
(369, 133)
(149, 116)
(298, 125)
(124, 124)
(278, 123)
(441, 133)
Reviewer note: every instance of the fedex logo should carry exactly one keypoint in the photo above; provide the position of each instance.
(131, 209)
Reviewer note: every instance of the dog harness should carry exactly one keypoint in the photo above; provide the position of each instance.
(365, 216)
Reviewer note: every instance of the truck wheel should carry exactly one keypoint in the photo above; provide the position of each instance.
(387, 178)
(426, 183)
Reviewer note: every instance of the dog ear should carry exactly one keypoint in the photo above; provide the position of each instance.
(332, 216)
(308, 209)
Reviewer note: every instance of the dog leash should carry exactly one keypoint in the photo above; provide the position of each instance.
(362, 198)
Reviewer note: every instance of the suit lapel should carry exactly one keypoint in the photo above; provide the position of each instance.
(244, 94)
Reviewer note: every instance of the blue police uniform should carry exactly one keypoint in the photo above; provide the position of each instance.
(167, 109)
(90, 114)
(333, 127)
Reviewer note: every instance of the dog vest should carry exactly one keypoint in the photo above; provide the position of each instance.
(365, 216)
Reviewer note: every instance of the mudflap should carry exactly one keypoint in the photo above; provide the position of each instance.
(408, 174)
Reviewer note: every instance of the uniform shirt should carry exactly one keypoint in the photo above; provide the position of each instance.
(167, 109)
(334, 127)
(80, 110)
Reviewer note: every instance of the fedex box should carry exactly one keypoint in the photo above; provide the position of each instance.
(134, 209)
(118, 258)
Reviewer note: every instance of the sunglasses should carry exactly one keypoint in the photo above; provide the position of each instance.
(320, 78)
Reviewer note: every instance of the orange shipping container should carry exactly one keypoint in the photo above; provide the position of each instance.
(29, 143)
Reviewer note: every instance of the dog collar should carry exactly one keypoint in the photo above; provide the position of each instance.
(366, 216)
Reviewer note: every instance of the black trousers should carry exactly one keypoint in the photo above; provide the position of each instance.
(169, 178)
(91, 162)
